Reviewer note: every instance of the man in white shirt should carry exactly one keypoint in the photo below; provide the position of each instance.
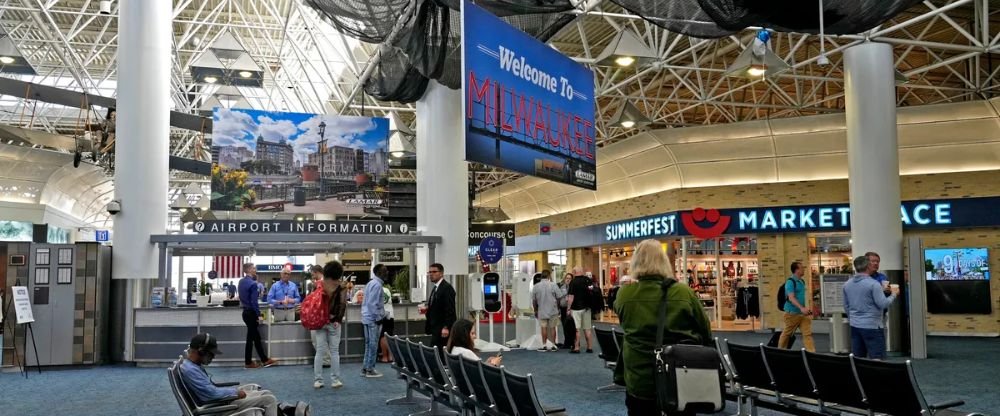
(545, 297)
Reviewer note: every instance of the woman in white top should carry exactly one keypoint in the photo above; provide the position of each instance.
(462, 342)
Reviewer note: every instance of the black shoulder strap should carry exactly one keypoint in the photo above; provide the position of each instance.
(664, 287)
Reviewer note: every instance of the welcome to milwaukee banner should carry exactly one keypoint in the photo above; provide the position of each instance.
(528, 108)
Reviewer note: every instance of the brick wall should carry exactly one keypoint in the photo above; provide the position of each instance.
(981, 237)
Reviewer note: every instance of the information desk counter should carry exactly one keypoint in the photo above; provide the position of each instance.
(162, 334)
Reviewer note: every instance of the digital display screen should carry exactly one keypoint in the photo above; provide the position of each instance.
(957, 264)
(490, 289)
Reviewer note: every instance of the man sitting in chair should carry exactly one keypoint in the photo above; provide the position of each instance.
(201, 351)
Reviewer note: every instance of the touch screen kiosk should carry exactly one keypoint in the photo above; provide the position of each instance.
(491, 292)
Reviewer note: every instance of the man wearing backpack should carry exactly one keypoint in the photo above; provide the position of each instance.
(797, 314)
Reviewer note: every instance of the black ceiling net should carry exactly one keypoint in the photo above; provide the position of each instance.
(394, 78)
(367, 20)
(678, 16)
(841, 17)
(428, 46)
(718, 18)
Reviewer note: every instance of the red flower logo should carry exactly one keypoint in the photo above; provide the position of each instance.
(719, 222)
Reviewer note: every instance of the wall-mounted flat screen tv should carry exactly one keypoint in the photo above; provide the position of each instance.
(958, 280)
(957, 263)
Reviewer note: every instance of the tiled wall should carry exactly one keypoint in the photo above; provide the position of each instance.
(776, 252)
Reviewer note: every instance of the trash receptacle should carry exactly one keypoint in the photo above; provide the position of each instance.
(299, 196)
(840, 334)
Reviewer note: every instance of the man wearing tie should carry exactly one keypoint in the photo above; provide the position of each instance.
(284, 297)
(440, 307)
(249, 293)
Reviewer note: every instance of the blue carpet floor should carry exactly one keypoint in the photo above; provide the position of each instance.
(960, 368)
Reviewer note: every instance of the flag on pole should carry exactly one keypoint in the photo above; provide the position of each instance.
(228, 267)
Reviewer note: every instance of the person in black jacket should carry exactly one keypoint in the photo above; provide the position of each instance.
(440, 307)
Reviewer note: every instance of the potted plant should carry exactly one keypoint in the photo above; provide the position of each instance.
(204, 294)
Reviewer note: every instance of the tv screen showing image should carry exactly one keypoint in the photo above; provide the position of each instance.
(958, 280)
(957, 264)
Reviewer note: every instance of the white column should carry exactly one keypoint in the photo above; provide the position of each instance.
(873, 164)
(142, 149)
(873, 153)
(442, 181)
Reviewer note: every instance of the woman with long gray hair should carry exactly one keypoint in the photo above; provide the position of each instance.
(637, 306)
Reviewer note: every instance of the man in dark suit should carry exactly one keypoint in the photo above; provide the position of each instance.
(440, 307)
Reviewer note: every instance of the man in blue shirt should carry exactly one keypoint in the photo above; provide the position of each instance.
(864, 302)
(372, 314)
(249, 293)
(201, 351)
(797, 314)
(284, 297)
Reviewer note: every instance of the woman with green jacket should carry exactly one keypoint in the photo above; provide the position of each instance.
(637, 306)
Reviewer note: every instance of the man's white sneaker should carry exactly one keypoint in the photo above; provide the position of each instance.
(317, 384)
(336, 384)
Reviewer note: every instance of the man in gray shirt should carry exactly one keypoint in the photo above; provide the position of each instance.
(864, 302)
(545, 301)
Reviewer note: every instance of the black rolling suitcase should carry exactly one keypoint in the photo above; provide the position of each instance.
(773, 342)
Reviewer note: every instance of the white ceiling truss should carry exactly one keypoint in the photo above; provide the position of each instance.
(949, 50)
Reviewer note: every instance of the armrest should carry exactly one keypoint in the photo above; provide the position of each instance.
(947, 404)
(222, 401)
(217, 409)
(226, 384)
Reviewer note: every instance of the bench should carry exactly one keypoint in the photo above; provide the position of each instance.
(269, 205)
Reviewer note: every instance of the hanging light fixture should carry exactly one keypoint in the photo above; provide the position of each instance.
(628, 116)
(400, 137)
(11, 59)
(227, 62)
(757, 60)
(626, 50)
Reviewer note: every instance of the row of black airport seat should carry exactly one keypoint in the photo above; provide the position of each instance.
(463, 385)
(807, 383)
(804, 383)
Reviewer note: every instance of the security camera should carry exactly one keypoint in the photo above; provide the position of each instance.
(105, 6)
(114, 207)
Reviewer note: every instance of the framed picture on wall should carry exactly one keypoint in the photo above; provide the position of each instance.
(18, 260)
(42, 257)
(65, 256)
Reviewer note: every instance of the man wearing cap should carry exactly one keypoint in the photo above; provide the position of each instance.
(201, 351)
(284, 297)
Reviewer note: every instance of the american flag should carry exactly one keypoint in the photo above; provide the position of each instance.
(228, 267)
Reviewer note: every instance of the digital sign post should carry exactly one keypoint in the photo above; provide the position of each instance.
(528, 108)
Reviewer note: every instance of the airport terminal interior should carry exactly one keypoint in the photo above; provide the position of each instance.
(499, 207)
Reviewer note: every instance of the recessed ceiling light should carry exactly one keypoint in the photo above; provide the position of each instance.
(6, 60)
(628, 124)
(210, 79)
(246, 74)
